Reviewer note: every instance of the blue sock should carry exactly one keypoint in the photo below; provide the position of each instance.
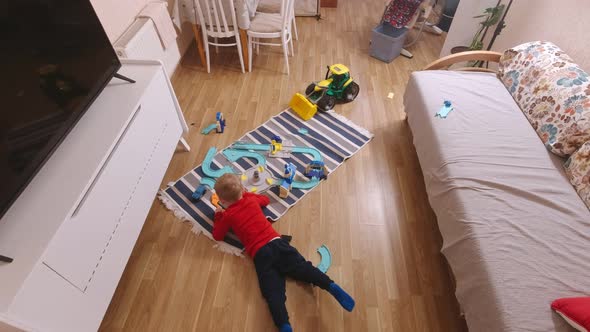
(285, 328)
(345, 300)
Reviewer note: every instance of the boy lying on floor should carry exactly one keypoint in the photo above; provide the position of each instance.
(274, 258)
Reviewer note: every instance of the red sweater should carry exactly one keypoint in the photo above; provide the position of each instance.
(246, 219)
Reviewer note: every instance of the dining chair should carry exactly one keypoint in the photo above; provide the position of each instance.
(271, 26)
(274, 6)
(215, 23)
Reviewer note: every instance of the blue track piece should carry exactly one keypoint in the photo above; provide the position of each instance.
(326, 258)
(209, 182)
(206, 166)
(209, 129)
(266, 147)
(235, 154)
(305, 185)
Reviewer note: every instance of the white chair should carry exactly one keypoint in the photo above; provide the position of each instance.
(215, 25)
(274, 6)
(270, 26)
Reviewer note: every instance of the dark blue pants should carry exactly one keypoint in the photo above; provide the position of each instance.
(277, 260)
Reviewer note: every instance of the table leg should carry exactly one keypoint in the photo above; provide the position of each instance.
(244, 42)
(198, 39)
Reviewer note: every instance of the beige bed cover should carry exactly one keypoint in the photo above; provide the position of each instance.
(516, 234)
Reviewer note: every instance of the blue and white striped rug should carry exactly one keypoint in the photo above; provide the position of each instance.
(336, 137)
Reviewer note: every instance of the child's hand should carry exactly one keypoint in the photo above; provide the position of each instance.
(219, 209)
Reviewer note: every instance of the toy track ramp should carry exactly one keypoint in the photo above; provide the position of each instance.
(303, 107)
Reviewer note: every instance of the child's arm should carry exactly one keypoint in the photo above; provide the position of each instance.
(221, 226)
(262, 200)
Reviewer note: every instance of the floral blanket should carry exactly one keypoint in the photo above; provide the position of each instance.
(552, 91)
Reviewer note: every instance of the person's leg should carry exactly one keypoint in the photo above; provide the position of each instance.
(272, 285)
(292, 264)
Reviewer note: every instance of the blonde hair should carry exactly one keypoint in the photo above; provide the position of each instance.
(229, 188)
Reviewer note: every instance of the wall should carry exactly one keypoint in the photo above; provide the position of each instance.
(464, 26)
(564, 23)
(117, 15)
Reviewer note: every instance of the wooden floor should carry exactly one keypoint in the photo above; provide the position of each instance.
(372, 213)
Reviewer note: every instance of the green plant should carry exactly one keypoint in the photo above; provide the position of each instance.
(490, 16)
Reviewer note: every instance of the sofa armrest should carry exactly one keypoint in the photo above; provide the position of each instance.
(447, 61)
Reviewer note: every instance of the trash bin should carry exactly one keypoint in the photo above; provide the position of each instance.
(387, 42)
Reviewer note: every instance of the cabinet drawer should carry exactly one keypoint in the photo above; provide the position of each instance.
(81, 243)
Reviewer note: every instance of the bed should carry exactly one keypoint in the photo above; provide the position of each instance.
(515, 233)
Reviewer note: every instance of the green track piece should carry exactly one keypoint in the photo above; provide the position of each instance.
(206, 166)
(235, 154)
(326, 258)
(209, 129)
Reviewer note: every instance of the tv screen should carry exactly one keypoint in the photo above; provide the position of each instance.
(56, 58)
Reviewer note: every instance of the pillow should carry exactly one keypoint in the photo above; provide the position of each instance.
(575, 310)
(552, 92)
(577, 168)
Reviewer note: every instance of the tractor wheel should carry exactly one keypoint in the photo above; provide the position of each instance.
(351, 91)
(309, 89)
(326, 103)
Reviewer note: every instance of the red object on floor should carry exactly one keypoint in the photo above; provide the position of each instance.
(576, 310)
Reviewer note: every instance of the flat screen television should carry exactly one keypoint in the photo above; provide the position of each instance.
(55, 58)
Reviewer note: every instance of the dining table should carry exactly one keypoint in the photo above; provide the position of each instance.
(245, 11)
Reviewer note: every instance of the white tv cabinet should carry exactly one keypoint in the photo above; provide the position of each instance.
(72, 230)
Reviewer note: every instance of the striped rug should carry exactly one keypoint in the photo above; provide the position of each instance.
(336, 137)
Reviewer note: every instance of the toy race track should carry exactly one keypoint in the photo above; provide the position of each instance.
(295, 149)
(246, 150)
(266, 147)
(206, 166)
(235, 154)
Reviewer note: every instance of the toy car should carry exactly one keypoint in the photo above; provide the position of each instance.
(199, 192)
(316, 169)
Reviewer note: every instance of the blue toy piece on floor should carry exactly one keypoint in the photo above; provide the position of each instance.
(220, 122)
(276, 138)
(289, 174)
(326, 258)
(218, 126)
(287, 183)
(209, 129)
(199, 192)
(317, 169)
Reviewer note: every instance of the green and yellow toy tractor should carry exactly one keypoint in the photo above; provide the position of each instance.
(323, 95)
